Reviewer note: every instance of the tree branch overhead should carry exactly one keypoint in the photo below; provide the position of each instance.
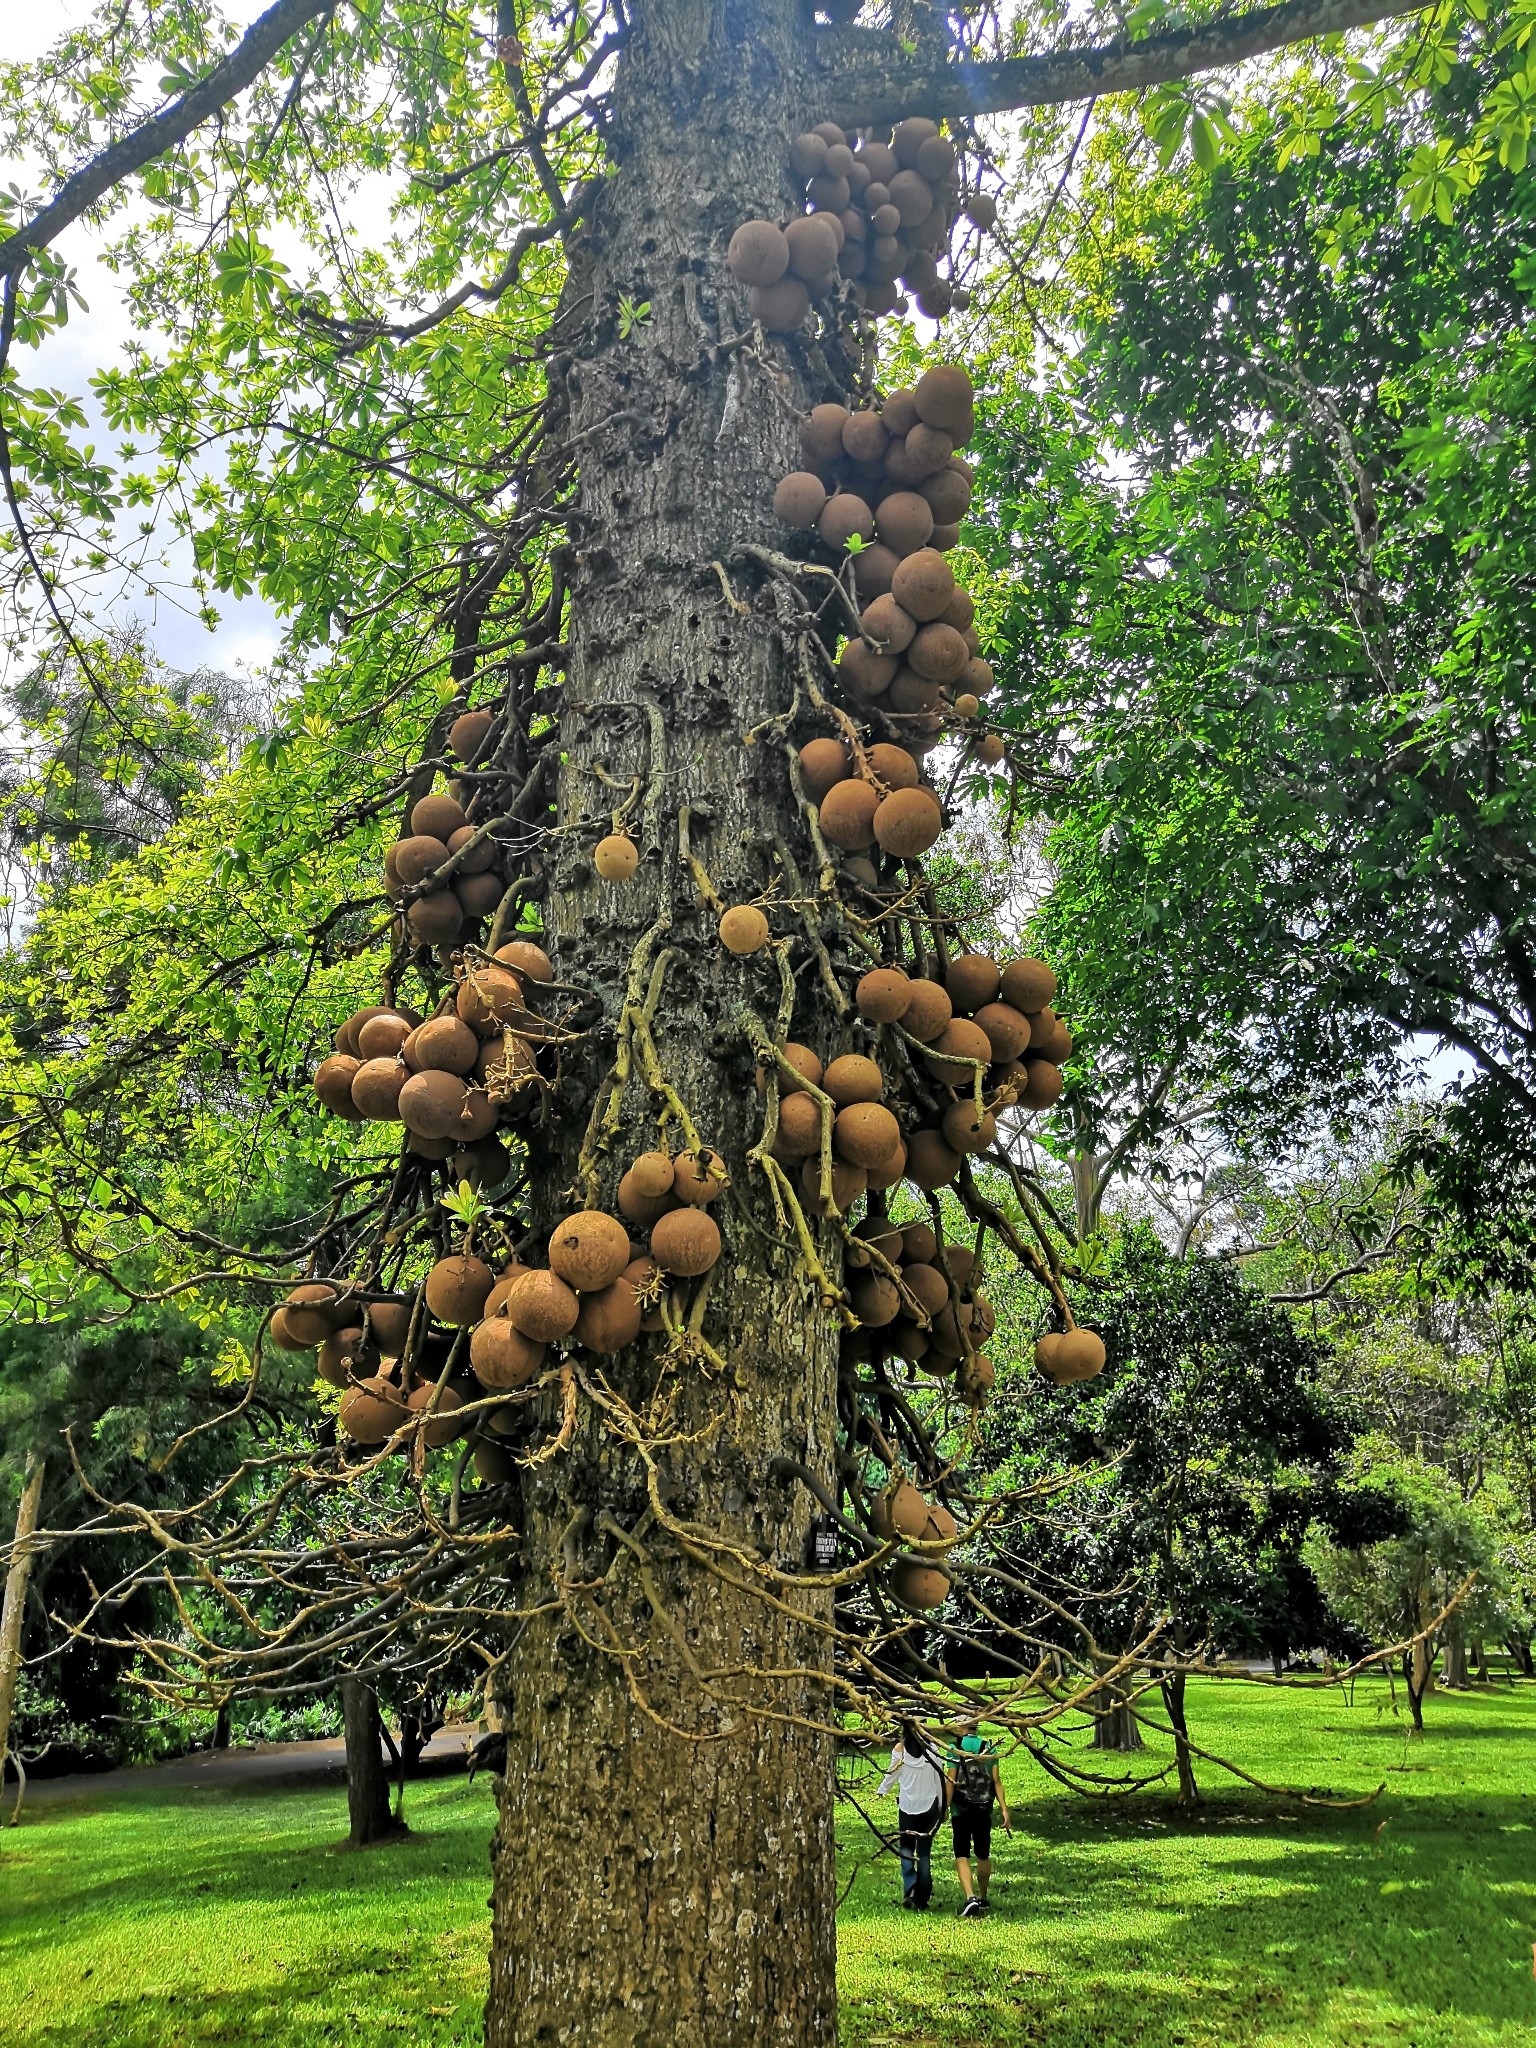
(868, 83)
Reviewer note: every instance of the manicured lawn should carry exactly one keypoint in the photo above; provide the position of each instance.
(234, 1917)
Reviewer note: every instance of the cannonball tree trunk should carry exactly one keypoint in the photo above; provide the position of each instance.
(664, 1858)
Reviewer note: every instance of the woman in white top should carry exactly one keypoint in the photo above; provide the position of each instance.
(915, 1769)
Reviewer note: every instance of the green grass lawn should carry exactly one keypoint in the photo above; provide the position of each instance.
(236, 1917)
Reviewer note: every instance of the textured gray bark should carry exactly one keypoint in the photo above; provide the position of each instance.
(14, 1607)
(664, 1859)
(368, 1815)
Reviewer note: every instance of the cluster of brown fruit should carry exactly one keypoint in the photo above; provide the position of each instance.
(882, 209)
(983, 1029)
(449, 1078)
(915, 1294)
(900, 1514)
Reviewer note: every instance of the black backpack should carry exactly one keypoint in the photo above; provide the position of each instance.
(973, 1778)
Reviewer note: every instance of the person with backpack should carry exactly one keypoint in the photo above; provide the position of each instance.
(974, 1784)
(920, 1808)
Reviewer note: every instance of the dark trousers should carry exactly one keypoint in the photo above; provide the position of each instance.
(915, 1841)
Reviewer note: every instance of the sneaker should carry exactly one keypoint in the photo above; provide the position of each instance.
(972, 1910)
(983, 1906)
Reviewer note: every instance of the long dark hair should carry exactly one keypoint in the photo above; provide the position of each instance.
(915, 1742)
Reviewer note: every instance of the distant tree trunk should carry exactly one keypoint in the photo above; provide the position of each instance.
(1277, 1662)
(367, 1780)
(1416, 1679)
(1521, 1652)
(1115, 1726)
(1456, 1654)
(1173, 1699)
(16, 1596)
(221, 1726)
(1480, 1661)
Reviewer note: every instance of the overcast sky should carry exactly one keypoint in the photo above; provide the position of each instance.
(247, 633)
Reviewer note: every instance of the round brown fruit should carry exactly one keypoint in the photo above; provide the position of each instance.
(928, 448)
(861, 871)
(966, 706)
(908, 822)
(372, 1411)
(929, 1011)
(847, 815)
(894, 766)
(780, 307)
(1007, 1029)
(898, 1510)
(698, 1177)
(376, 1090)
(468, 734)
(944, 397)
(333, 1084)
(828, 194)
(805, 1063)
(478, 894)
(865, 439)
(873, 568)
(685, 1242)
(975, 1379)
(912, 197)
(799, 1132)
(866, 1133)
(883, 995)
(972, 980)
(641, 1209)
(744, 930)
(875, 1300)
(957, 1051)
(932, 1162)
(527, 960)
(981, 210)
(799, 499)
(824, 763)
(853, 1078)
(489, 998)
(589, 1250)
(814, 246)
(947, 495)
(436, 920)
(428, 1148)
(543, 1307)
(346, 1355)
(1080, 1355)
(1029, 985)
(389, 1324)
(927, 1286)
(442, 1425)
(879, 1232)
(991, 750)
(501, 1357)
(919, 1244)
(903, 521)
(1043, 1086)
(383, 1035)
(843, 516)
(609, 1319)
(431, 1104)
(615, 857)
(445, 1044)
(924, 585)
(965, 1131)
(863, 672)
(651, 1173)
(437, 817)
(416, 858)
(282, 1336)
(977, 676)
(456, 1290)
(888, 623)
(938, 653)
(918, 1585)
(758, 253)
(807, 154)
(821, 436)
(481, 855)
(848, 1183)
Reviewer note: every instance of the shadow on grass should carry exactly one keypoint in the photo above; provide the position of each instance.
(1328, 1934)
